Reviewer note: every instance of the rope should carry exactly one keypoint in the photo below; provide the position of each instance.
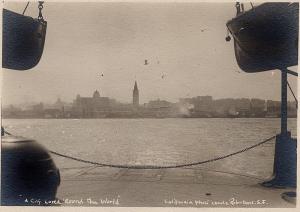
(25, 8)
(162, 167)
(296, 100)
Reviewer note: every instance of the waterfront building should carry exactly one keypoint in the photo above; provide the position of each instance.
(161, 108)
(292, 109)
(258, 107)
(224, 107)
(91, 107)
(243, 107)
(273, 108)
(135, 96)
(11, 112)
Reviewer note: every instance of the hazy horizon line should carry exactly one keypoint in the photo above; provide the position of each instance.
(129, 102)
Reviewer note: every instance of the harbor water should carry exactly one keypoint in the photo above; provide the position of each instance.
(157, 141)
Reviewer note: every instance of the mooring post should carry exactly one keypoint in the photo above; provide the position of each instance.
(285, 159)
(283, 102)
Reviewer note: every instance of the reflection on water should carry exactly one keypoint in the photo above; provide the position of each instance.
(157, 141)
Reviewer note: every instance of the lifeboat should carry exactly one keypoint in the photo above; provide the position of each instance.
(23, 40)
(266, 37)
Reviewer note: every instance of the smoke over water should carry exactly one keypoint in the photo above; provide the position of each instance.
(185, 109)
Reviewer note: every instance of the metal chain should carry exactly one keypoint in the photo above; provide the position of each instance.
(238, 8)
(153, 166)
(40, 17)
(3, 131)
(161, 167)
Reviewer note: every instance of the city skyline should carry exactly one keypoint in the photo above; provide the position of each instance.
(131, 98)
(184, 46)
(97, 106)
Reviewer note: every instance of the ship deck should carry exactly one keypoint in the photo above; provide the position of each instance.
(188, 187)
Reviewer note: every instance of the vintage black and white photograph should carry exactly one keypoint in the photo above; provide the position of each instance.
(174, 104)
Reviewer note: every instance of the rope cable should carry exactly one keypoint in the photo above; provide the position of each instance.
(296, 100)
(25, 8)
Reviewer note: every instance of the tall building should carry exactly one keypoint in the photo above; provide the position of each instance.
(91, 107)
(135, 95)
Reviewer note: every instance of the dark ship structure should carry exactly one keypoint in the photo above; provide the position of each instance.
(266, 38)
(27, 169)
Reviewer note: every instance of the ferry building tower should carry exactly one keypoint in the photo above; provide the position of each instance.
(135, 95)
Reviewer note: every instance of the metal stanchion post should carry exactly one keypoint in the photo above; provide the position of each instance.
(285, 159)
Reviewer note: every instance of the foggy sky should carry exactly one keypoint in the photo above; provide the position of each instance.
(183, 42)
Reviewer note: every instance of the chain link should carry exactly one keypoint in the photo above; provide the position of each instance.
(153, 166)
(40, 17)
(161, 167)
